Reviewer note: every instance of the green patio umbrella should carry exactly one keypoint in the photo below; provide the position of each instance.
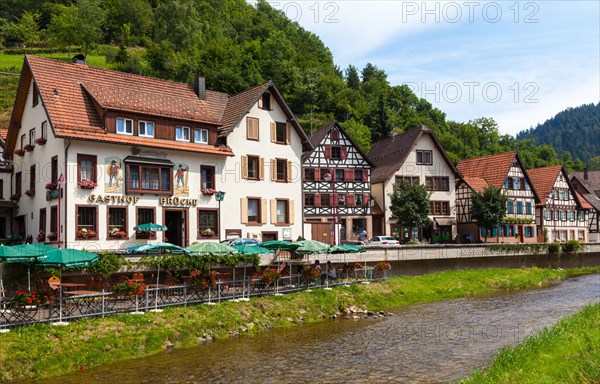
(157, 249)
(280, 244)
(150, 227)
(313, 247)
(25, 254)
(207, 248)
(347, 248)
(67, 258)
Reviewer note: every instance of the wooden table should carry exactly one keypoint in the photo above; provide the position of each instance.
(81, 293)
(72, 285)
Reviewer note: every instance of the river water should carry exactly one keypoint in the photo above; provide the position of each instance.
(429, 343)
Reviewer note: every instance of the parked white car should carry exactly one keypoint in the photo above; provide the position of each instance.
(383, 240)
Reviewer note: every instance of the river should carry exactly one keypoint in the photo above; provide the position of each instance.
(428, 343)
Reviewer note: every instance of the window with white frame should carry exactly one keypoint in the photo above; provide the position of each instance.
(124, 126)
(282, 212)
(201, 136)
(44, 129)
(32, 136)
(182, 133)
(424, 157)
(146, 129)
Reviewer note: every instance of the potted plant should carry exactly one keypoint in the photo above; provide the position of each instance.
(270, 276)
(20, 152)
(208, 280)
(208, 232)
(15, 197)
(52, 236)
(310, 274)
(51, 186)
(117, 232)
(87, 184)
(25, 299)
(85, 233)
(41, 140)
(30, 192)
(28, 147)
(130, 288)
(383, 266)
(208, 191)
(41, 236)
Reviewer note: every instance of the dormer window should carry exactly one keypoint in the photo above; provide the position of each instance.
(124, 126)
(146, 129)
(201, 136)
(424, 157)
(182, 133)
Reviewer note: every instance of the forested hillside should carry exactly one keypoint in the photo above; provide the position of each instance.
(236, 46)
(576, 130)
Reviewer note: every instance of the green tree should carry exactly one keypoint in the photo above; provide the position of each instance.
(410, 205)
(91, 18)
(489, 208)
(594, 163)
(360, 133)
(25, 31)
(63, 29)
(352, 78)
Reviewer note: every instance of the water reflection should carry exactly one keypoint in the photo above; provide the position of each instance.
(436, 342)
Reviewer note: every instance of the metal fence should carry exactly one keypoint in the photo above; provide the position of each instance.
(69, 308)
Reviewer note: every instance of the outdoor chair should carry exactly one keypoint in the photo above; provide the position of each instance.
(139, 276)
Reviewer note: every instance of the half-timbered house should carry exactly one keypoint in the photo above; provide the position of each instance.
(98, 152)
(415, 156)
(587, 184)
(561, 214)
(336, 186)
(505, 171)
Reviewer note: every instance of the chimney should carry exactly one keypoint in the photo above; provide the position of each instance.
(79, 59)
(585, 175)
(200, 86)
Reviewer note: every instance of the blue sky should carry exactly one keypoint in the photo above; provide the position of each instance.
(519, 62)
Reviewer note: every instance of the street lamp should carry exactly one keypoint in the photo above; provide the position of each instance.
(60, 182)
(220, 196)
(329, 178)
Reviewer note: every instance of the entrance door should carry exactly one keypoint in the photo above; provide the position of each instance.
(520, 232)
(268, 236)
(175, 221)
(322, 232)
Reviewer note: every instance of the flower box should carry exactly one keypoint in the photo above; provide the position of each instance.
(85, 233)
(52, 236)
(208, 191)
(207, 233)
(20, 152)
(28, 147)
(41, 237)
(15, 197)
(41, 140)
(26, 299)
(117, 233)
(30, 192)
(50, 186)
(87, 184)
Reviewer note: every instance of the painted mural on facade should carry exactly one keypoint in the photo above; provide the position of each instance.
(180, 179)
(114, 180)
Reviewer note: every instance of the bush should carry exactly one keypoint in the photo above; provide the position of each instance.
(571, 246)
(554, 248)
(108, 264)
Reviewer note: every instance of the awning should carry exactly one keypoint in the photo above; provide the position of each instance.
(148, 160)
(8, 204)
(443, 221)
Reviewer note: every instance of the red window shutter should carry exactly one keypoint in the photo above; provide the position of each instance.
(349, 175)
(335, 135)
(332, 173)
(350, 199)
(317, 200)
(328, 152)
(317, 174)
(365, 175)
(333, 200)
(366, 198)
(344, 153)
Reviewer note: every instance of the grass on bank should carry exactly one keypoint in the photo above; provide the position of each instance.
(42, 350)
(568, 352)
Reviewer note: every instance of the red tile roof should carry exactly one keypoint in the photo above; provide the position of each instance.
(239, 104)
(493, 169)
(584, 202)
(543, 180)
(478, 184)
